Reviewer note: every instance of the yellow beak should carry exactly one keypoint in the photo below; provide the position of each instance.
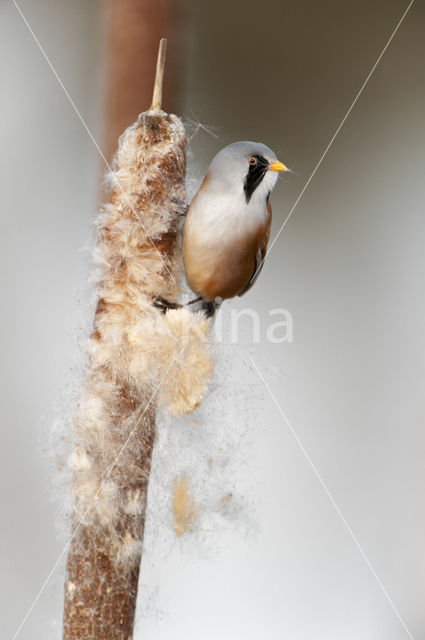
(277, 166)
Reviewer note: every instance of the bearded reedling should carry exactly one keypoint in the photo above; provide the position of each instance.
(227, 225)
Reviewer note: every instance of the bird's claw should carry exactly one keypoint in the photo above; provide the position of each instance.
(163, 304)
(182, 207)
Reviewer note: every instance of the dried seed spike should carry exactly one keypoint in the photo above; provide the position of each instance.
(159, 76)
(133, 350)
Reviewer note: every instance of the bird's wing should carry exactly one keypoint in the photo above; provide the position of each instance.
(261, 254)
(258, 266)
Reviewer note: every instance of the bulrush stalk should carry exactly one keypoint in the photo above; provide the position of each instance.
(138, 359)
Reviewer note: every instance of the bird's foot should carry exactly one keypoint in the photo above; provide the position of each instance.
(208, 307)
(181, 207)
(193, 301)
(164, 305)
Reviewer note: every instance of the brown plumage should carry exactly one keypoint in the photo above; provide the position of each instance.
(228, 267)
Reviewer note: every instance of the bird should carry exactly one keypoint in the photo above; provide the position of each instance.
(227, 224)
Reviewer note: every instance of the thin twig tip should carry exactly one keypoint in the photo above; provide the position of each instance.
(159, 75)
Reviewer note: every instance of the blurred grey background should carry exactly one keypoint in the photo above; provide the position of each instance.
(349, 266)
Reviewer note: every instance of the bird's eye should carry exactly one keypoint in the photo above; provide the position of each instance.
(252, 161)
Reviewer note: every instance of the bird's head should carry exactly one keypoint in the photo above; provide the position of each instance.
(249, 168)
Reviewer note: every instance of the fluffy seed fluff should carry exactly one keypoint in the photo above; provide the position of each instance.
(184, 507)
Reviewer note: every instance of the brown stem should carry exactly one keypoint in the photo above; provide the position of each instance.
(100, 597)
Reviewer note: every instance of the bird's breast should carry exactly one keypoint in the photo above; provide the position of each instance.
(221, 239)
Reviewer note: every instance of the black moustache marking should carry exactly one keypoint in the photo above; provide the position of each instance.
(256, 173)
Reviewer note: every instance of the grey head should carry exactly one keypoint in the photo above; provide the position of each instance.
(246, 166)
